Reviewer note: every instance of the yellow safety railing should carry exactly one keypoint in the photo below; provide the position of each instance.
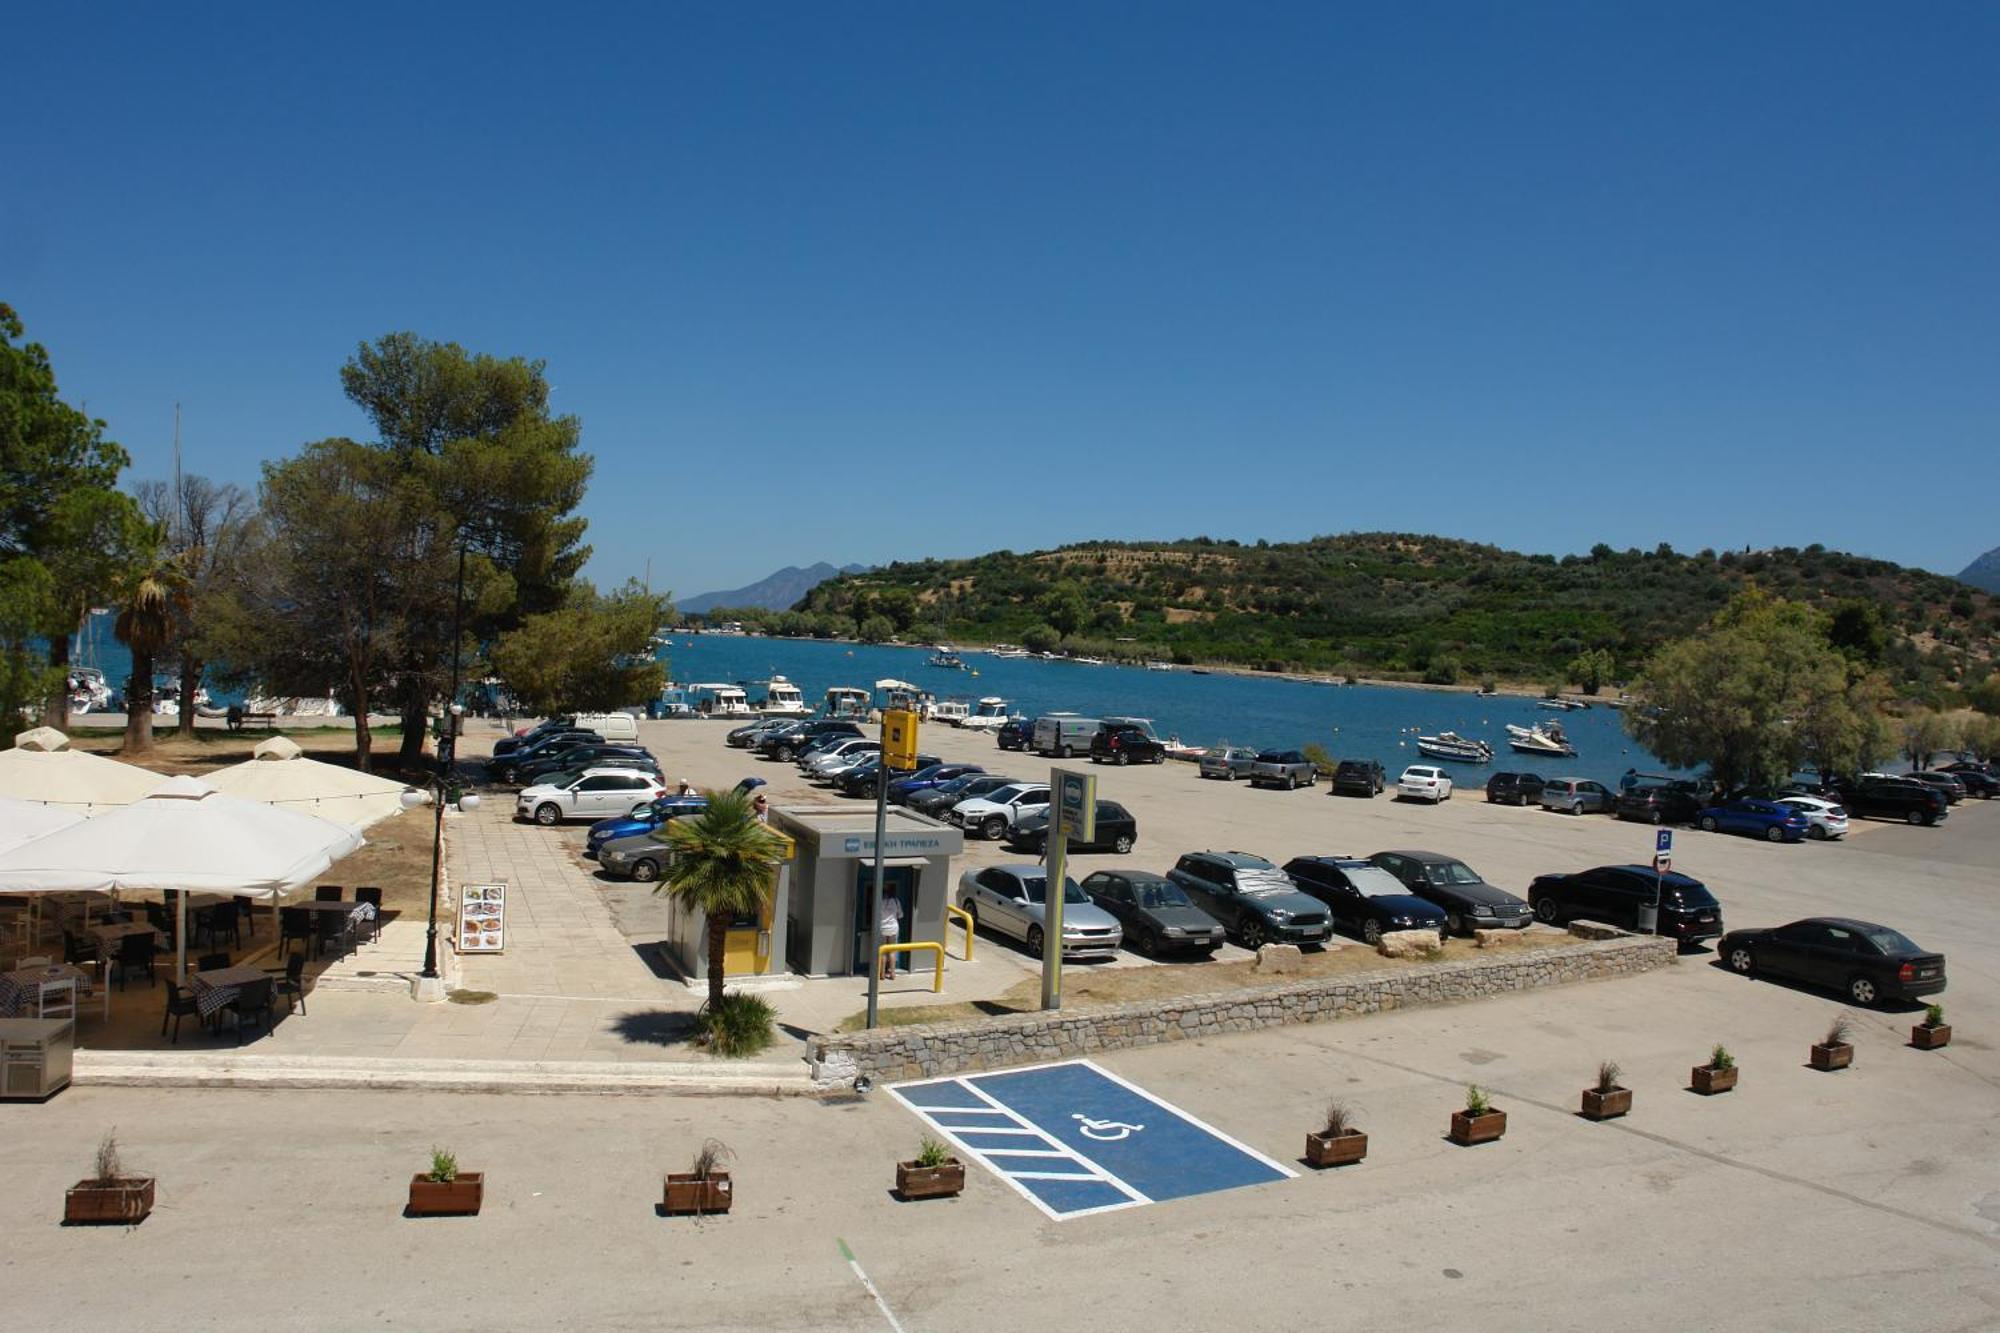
(937, 952)
(964, 919)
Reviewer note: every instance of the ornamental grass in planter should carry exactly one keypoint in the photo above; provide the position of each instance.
(1608, 1099)
(932, 1174)
(1718, 1075)
(444, 1190)
(1340, 1143)
(701, 1189)
(1836, 1052)
(1478, 1122)
(110, 1194)
(1933, 1032)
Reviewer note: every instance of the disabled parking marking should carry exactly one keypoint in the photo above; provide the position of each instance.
(1075, 1139)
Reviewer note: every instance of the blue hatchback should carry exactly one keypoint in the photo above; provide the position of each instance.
(1758, 819)
(626, 826)
(902, 789)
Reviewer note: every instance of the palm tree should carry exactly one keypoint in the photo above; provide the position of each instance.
(145, 625)
(725, 863)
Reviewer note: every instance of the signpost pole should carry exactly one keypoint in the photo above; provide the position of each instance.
(1663, 846)
(875, 899)
(1072, 810)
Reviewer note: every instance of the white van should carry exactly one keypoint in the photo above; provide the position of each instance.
(1060, 735)
(611, 726)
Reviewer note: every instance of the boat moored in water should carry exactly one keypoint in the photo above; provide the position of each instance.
(1543, 738)
(1452, 746)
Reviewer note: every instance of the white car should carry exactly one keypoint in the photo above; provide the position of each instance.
(1422, 782)
(997, 811)
(593, 793)
(1824, 819)
(821, 762)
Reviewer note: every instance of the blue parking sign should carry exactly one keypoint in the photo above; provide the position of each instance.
(1663, 841)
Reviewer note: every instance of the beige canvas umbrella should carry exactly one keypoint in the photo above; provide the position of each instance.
(278, 773)
(24, 821)
(43, 769)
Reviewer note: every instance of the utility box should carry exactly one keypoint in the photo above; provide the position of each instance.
(899, 739)
(36, 1055)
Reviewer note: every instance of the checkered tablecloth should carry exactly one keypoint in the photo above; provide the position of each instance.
(21, 989)
(109, 935)
(214, 990)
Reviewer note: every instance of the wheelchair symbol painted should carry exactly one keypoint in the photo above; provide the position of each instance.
(1105, 1131)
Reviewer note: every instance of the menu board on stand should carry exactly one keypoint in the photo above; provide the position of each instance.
(482, 918)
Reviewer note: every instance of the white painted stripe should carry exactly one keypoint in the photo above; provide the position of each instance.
(1058, 1144)
(1022, 1152)
(880, 1304)
(981, 1129)
(1055, 1175)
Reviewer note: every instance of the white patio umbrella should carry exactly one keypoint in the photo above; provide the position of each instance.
(278, 773)
(25, 821)
(43, 769)
(186, 836)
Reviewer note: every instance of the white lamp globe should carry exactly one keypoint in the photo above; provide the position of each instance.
(469, 801)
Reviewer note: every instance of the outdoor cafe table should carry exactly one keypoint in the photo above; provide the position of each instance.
(214, 989)
(355, 913)
(108, 936)
(21, 989)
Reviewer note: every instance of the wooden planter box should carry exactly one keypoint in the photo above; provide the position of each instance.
(930, 1182)
(689, 1193)
(126, 1200)
(447, 1198)
(1930, 1038)
(1468, 1129)
(1606, 1105)
(1832, 1057)
(1708, 1080)
(1336, 1149)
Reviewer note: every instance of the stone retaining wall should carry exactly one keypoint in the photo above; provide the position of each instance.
(932, 1049)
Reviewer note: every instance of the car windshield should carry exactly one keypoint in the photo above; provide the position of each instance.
(1891, 941)
(1263, 882)
(1160, 893)
(1450, 872)
(1375, 882)
(1038, 889)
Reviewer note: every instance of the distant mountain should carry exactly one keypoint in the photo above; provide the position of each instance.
(1984, 572)
(778, 592)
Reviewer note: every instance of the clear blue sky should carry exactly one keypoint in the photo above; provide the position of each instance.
(1541, 275)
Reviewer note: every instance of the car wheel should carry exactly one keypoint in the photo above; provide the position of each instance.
(1372, 931)
(1708, 823)
(786, 754)
(646, 871)
(1067, 752)
(993, 828)
(1915, 817)
(1122, 844)
(1548, 911)
(1816, 831)
(548, 814)
(1741, 962)
(1035, 940)
(1253, 935)
(1291, 782)
(1160, 757)
(1146, 943)
(1576, 808)
(1453, 924)
(1774, 834)
(1862, 991)
(1123, 759)
(1658, 818)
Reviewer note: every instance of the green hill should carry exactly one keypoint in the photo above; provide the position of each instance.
(1398, 604)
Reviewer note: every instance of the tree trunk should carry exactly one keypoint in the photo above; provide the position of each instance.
(718, 935)
(139, 705)
(364, 739)
(190, 682)
(56, 712)
(416, 712)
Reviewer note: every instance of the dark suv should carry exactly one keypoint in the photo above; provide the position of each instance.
(1357, 777)
(1514, 789)
(1614, 895)
(1363, 897)
(597, 755)
(788, 745)
(1016, 733)
(1125, 745)
(1978, 779)
(1658, 805)
(1895, 798)
(1253, 899)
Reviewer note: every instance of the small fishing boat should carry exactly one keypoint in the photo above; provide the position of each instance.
(946, 658)
(1007, 650)
(720, 700)
(988, 715)
(1543, 738)
(778, 697)
(950, 712)
(848, 701)
(1459, 749)
(1159, 666)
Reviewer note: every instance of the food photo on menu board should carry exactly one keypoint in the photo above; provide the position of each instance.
(482, 918)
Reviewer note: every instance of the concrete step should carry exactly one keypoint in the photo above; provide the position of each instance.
(229, 1069)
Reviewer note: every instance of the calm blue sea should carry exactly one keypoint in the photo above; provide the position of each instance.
(1352, 721)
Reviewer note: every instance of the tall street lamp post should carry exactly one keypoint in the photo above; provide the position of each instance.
(428, 985)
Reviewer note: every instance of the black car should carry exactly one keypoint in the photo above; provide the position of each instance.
(941, 798)
(552, 743)
(1357, 777)
(1866, 961)
(1978, 779)
(1658, 805)
(1116, 831)
(540, 732)
(1016, 733)
(587, 756)
(747, 736)
(1469, 902)
(1126, 745)
(1253, 899)
(1157, 916)
(1363, 897)
(1615, 894)
(1948, 783)
(1895, 798)
(1515, 789)
(864, 777)
(783, 745)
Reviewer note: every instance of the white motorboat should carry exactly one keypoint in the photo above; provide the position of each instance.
(724, 701)
(1543, 738)
(780, 698)
(988, 715)
(947, 658)
(1459, 749)
(1159, 666)
(949, 712)
(848, 701)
